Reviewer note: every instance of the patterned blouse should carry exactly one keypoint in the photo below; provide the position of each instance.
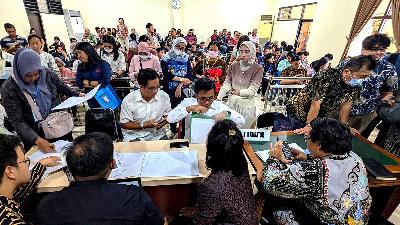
(334, 188)
(329, 88)
(291, 72)
(10, 208)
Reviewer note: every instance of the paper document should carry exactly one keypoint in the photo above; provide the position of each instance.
(199, 128)
(37, 156)
(296, 146)
(73, 101)
(155, 164)
(264, 155)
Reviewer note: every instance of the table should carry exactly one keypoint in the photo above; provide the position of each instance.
(170, 194)
(385, 194)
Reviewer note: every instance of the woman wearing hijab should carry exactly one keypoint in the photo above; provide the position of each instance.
(242, 82)
(177, 71)
(143, 60)
(45, 88)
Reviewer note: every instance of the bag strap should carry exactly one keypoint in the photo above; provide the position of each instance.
(140, 61)
(34, 107)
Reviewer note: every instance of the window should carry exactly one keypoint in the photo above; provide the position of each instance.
(44, 6)
(297, 12)
(382, 22)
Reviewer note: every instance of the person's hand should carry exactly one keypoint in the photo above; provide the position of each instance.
(235, 92)
(186, 81)
(354, 131)
(178, 91)
(277, 153)
(94, 83)
(86, 82)
(297, 154)
(390, 99)
(50, 161)
(161, 123)
(304, 130)
(150, 124)
(196, 108)
(82, 94)
(187, 212)
(220, 116)
(44, 145)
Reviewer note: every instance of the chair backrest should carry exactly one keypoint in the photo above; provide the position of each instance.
(267, 119)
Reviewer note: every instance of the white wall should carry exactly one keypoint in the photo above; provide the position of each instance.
(14, 12)
(285, 31)
(54, 25)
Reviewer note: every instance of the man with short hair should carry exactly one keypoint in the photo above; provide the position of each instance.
(16, 182)
(170, 38)
(151, 34)
(294, 70)
(90, 199)
(333, 90)
(12, 42)
(143, 111)
(204, 103)
(191, 37)
(58, 42)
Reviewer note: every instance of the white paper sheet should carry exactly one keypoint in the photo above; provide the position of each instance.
(73, 101)
(264, 155)
(37, 156)
(199, 129)
(128, 165)
(296, 146)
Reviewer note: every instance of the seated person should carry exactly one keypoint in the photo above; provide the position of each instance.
(295, 70)
(330, 93)
(204, 103)
(331, 182)
(16, 182)
(143, 111)
(90, 199)
(226, 195)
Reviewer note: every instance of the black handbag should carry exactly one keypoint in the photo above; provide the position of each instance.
(103, 120)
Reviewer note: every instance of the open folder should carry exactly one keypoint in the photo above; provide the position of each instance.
(200, 127)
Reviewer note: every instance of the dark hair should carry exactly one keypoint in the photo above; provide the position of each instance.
(93, 57)
(97, 28)
(145, 75)
(148, 25)
(8, 26)
(295, 58)
(225, 149)
(380, 40)
(241, 40)
(123, 21)
(328, 56)
(204, 84)
(269, 56)
(289, 48)
(109, 29)
(160, 49)
(57, 38)
(8, 154)
(143, 38)
(90, 154)
(34, 36)
(214, 43)
(71, 39)
(110, 39)
(32, 29)
(316, 65)
(359, 62)
(333, 136)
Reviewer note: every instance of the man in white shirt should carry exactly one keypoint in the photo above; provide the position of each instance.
(143, 111)
(204, 103)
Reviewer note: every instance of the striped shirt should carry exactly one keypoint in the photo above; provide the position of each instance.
(10, 208)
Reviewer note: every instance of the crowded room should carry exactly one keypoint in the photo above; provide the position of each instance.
(189, 112)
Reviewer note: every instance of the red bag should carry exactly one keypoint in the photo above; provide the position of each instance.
(215, 73)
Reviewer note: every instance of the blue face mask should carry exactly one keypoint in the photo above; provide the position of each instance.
(355, 82)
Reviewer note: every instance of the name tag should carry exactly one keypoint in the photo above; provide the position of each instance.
(255, 134)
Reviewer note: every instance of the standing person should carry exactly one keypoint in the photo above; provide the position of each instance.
(191, 37)
(92, 70)
(269, 71)
(235, 53)
(143, 60)
(253, 37)
(242, 82)
(177, 71)
(171, 38)
(31, 80)
(122, 34)
(35, 43)
(58, 42)
(151, 34)
(12, 42)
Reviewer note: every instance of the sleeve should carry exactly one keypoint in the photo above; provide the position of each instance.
(318, 88)
(106, 73)
(189, 73)
(389, 114)
(3, 44)
(234, 116)
(391, 80)
(24, 191)
(227, 86)
(62, 88)
(179, 112)
(208, 205)
(152, 215)
(24, 42)
(51, 63)
(12, 104)
(296, 180)
(126, 114)
(121, 62)
(79, 77)
(255, 83)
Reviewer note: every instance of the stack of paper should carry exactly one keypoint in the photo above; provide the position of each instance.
(199, 129)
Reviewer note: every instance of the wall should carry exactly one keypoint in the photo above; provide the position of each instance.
(54, 25)
(14, 13)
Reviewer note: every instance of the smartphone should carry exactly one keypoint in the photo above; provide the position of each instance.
(179, 144)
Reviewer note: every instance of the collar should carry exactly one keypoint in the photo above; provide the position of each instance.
(139, 98)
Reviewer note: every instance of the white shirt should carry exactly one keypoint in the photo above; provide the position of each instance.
(115, 65)
(135, 109)
(216, 107)
(48, 62)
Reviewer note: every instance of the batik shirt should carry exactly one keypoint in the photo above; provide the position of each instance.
(334, 188)
(327, 87)
(383, 79)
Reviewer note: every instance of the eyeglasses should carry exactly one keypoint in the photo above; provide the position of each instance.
(378, 49)
(205, 99)
(27, 161)
(153, 89)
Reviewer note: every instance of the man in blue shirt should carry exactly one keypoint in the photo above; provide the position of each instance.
(12, 42)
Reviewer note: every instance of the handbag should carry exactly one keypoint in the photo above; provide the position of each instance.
(57, 124)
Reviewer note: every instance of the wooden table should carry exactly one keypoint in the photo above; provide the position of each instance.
(170, 194)
(385, 194)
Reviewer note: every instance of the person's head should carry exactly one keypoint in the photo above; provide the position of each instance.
(224, 32)
(202, 44)
(179, 46)
(375, 45)
(357, 69)
(14, 168)
(27, 65)
(121, 21)
(283, 44)
(254, 32)
(91, 157)
(205, 92)
(35, 42)
(59, 49)
(10, 29)
(32, 31)
(103, 30)
(144, 50)
(148, 82)
(301, 54)
(215, 32)
(328, 136)
(229, 34)
(109, 32)
(110, 46)
(57, 39)
(241, 40)
(213, 50)
(266, 51)
(160, 52)
(86, 53)
(269, 58)
(225, 149)
(235, 33)
(190, 32)
(60, 64)
(320, 65)
(144, 38)
(328, 56)
(247, 51)
(295, 62)
(173, 32)
(178, 31)
(150, 28)
(87, 32)
(113, 31)
(73, 40)
(97, 29)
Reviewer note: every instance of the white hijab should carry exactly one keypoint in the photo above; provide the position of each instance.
(246, 65)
